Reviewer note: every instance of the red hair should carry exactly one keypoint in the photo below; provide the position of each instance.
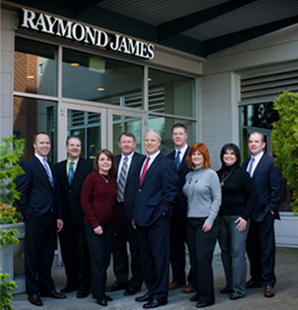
(202, 148)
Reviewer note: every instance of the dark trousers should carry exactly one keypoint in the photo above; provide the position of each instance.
(232, 243)
(75, 255)
(100, 247)
(40, 245)
(201, 247)
(261, 250)
(155, 257)
(177, 247)
(120, 256)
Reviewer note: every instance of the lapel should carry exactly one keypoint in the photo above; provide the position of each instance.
(259, 166)
(40, 166)
(183, 162)
(131, 168)
(152, 169)
(77, 172)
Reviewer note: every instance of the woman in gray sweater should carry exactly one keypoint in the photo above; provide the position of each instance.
(203, 193)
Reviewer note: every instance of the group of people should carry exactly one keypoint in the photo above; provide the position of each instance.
(157, 204)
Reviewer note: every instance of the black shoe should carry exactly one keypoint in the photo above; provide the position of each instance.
(252, 283)
(108, 298)
(69, 288)
(194, 298)
(102, 302)
(236, 295)
(204, 304)
(154, 304)
(143, 298)
(226, 290)
(116, 287)
(53, 294)
(35, 300)
(131, 291)
(82, 294)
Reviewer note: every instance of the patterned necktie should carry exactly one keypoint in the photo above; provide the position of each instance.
(144, 170)
(48, 171)
(177, 159)
(121, 181)
(251, 164)
(71, 172)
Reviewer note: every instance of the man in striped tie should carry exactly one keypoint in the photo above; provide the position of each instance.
(43, 218)
(126, 177)
(157, 183)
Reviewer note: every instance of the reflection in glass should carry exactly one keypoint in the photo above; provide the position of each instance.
(128, 124)
(164, 126)
(96, 78)
(35, 67)
(31, 116)
(86, 125)
(171, 93)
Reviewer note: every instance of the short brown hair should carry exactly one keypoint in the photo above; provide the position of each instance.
(73, 137)
(202, 148)
(258, 133)
(179, 125)
(39, 133)
(110, 155)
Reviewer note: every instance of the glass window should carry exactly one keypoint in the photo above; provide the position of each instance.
(35, 67)
(86, 125)
(96, 78)
(164, 126)
(171, 93)
(31, 116)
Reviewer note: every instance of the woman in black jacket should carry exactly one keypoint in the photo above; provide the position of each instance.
(238, 199)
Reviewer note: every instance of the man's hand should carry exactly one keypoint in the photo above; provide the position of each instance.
(59, 225)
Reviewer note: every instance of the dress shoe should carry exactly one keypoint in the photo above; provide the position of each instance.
(236, 295)
(53, 294)
(131, 291)
(143, 298)
(175, 285)
(194, 298)
(269, 291)
(82, 294)
(154, 304)
(108, 298)
(69, 289)
(204, 304)
(116, 287)
(188, 289)
(35, 300)
(226, 290)
(102, 302)
(252, 283)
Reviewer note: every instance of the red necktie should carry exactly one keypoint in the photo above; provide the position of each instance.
(144, 170)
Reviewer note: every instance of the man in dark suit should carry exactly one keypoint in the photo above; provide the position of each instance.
(261, 240)
(38, 204)
(126, 178)
(177, 232)
(157, 184)
(70, 176)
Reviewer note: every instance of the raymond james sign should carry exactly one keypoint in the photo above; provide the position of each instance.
(81, 33)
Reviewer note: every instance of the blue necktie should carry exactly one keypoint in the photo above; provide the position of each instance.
(177, 159)
(48, 171)
(71, 172)
(251, 164)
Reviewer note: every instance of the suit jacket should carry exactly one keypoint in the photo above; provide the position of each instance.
(156, 195)
(37, 194)
(180, 205)
(70, 195)
(130, 186)
(269, 187)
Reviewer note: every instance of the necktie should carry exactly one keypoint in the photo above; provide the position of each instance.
(48, 171)
(177, 159)
(144, 170)
(121, 181)
(251, 164)
(71, 172)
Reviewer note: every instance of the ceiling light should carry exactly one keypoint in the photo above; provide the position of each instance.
(30, 77)
(75, 64)
(149, 79)
(100, 89)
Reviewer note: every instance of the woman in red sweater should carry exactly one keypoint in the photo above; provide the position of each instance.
(98, 199)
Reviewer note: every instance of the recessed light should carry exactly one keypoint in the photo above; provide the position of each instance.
(100, 89)
(75, 64)
(30, 77)
(149, 79)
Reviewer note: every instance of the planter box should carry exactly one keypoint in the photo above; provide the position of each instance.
(12, 261)
(286, 230)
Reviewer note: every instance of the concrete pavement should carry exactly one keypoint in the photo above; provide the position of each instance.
(286, 292)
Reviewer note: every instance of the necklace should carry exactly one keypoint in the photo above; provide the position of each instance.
(222, 183)
(106, 179)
